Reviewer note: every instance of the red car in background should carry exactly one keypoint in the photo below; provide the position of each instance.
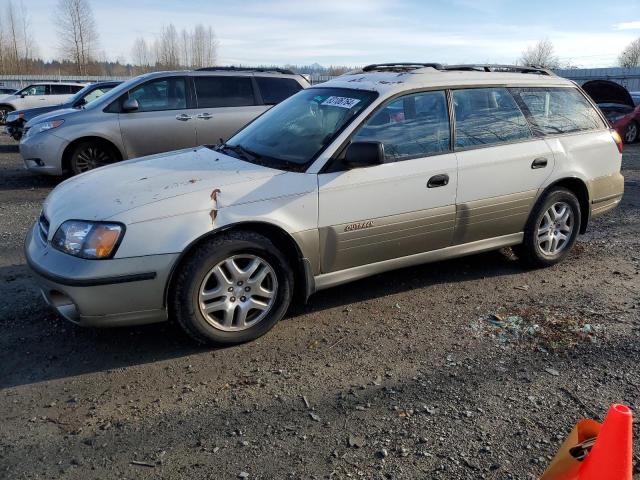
(617, 105)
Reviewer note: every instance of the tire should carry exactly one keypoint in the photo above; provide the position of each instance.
(204, 280)
(538, 250)
(631, 133)
(91, 154)
(4, 111)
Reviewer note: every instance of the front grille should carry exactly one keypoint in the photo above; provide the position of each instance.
(43, 227)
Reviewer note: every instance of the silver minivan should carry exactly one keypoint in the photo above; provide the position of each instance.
(154, 113)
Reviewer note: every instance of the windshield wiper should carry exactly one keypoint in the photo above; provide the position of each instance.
(237, 149)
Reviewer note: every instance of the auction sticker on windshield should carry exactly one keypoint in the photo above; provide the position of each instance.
(344, 102)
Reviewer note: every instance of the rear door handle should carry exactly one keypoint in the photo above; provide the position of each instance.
(438, 181)
(183, 117)
(539, 162)
(205, 116)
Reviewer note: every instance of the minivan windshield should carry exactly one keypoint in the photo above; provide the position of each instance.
(294, 132)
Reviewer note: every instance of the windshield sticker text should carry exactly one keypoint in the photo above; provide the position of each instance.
(343, 102)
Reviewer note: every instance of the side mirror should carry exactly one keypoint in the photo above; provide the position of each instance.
(80, 103)
(364, 154)
(22, 95)
(130, 105)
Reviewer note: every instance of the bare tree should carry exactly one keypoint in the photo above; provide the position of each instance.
(630, 56)
(77, 31)
(167, 48)
(540, 55)
(140, 54)
(16, 45)
(203, 47)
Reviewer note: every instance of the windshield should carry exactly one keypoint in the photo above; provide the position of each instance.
(89, 97)
(294, 132)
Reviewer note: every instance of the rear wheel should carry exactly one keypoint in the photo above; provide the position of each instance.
(631, 133)
(4, 111)
(232, 289)
(552, 229)
(91, 154)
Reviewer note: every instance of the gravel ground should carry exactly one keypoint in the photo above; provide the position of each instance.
(472, 368)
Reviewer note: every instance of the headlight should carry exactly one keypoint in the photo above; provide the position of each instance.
(13, 116)
(93, 240)
(44, 126)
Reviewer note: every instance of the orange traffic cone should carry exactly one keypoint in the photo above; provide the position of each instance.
(610, 457)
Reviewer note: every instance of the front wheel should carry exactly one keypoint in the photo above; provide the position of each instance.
(631, 133)
(232, 289)
(89, 155)
(551, 230)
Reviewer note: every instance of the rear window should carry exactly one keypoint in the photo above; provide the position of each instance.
(486, 116)
(558, 110)
(64, 89)
(222, 91)
(275, 90)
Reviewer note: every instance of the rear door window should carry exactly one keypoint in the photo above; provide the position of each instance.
(275, 90)
(224, 91)
(558, 110)
(162, 94)
(486, 116)
(413, 126)
(61, 89)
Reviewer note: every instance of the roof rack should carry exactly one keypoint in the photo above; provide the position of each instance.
(284, 71)
(399, 67)
(499, 68)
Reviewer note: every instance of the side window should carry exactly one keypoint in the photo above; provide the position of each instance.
(558, 110)
(223, 91)
(35, 90)
(275, 90)
(60, 89)
(413, 126)
(162, 94)
(486, 116)
(75, 88)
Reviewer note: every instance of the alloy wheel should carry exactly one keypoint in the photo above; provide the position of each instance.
(238, 292)
(555, 229)
(3, 115)
(92, 157)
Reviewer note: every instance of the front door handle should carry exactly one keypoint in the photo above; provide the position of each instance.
(539, 162)
(205, 116)
(438, 181)
(183, 117)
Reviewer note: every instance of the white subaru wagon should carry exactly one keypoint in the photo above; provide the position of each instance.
(390, 166)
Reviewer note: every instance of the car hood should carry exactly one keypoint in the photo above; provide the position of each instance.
(606, 91)
(30, 113)
(58, 112)
(106, 192)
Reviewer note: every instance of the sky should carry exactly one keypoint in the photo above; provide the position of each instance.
(357, 32)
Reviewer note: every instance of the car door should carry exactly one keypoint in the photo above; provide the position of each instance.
(162, 121)
(224, 105)
(501, 164)
(401, 207)
(58, 94)
(35, 96)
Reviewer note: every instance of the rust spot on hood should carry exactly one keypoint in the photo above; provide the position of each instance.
(214, 212)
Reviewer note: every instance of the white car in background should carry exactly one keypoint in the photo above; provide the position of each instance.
(38, 95)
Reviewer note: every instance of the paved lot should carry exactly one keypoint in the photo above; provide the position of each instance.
(403, 375)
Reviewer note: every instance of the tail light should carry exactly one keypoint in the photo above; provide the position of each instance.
(618, 139)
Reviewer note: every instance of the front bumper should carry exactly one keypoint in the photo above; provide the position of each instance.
(42, 153)
(100, 293)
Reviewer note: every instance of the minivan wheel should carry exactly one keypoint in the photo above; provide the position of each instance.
(551, 230)
(4, 111)
(232, 289)
(89, 155)
(631, 133)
